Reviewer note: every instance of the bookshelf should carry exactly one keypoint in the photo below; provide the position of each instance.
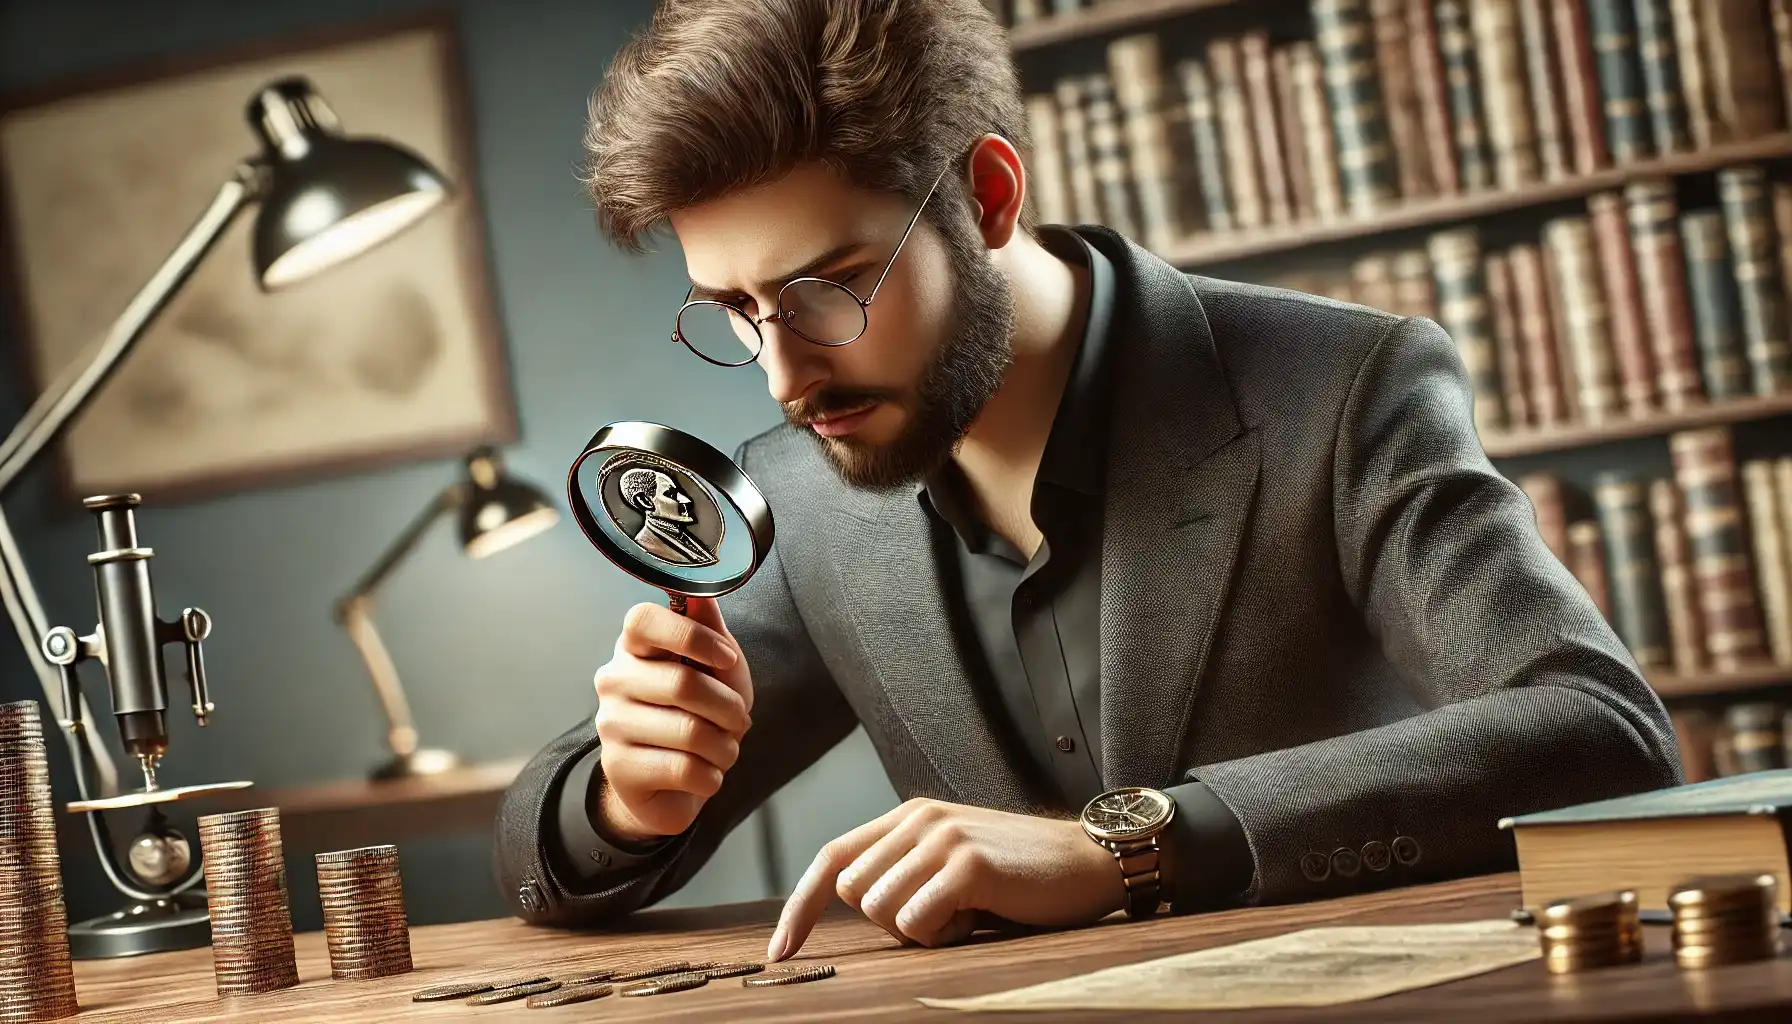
(1708, 684)
(1111, 16)
(1513, 443)
(1201, 251)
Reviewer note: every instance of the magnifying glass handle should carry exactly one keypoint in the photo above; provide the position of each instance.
(680, 604)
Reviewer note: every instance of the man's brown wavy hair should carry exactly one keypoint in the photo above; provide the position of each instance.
(721, 96)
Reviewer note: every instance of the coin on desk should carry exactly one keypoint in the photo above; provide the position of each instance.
(1725, 919)
(588, 978)
(505, 995)
(715, 971)
(653, 971)
(789, 976)
(663, 984)
(458, 990)
(568, 995)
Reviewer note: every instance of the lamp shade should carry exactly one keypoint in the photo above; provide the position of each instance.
(500, 511)
(328, 197)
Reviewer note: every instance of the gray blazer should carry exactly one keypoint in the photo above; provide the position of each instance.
(1318, 597)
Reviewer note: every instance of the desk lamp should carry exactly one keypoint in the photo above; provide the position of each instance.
(324, 197)
(495, 511)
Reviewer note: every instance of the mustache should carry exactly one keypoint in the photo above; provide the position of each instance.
(832, 402)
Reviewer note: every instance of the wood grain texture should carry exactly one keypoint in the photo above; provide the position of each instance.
(879, 980)
(1505, 444)
(1108, 16)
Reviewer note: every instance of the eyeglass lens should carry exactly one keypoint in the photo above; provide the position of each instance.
(820, 311)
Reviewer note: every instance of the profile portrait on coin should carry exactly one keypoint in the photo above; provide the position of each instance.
(671, 526)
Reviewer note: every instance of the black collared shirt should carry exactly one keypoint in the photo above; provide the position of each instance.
(1037, 622)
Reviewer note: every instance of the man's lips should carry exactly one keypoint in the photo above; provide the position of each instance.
(840, 426)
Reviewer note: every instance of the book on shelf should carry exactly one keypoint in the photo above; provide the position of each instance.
(1653, 841)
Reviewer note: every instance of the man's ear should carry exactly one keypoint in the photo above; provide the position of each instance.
(998, 187)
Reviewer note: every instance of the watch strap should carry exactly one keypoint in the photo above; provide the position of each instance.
(1138, 862)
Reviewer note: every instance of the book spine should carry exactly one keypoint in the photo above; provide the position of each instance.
(1661, 76)
(1108, 153)
(1415, 290)
(1705, 470)
(1462, 309)
(1617, 275)
(1400, 98)
(1316, 130)
(1580, 86)
(1781, 13)
(1695, 83)
(1291, 134)
(1266, 132)
(1456, 46)
(1250, 207)
(1432, 89)
(1545, 493)
(1359, 121)
(1585, 320)
(1680, 595)
(1661, 284)
(1769, 549)
(1536, 331)
(1782, 229)
(1136, 66)
(1050, 193)
(1511, 135)
(1073, 121)
(1756, 736)
(1716, 310)
(1694, 731)
(1745, 80)
(1754, 255)
(1372, 279)
(1204, 137)
(1543, 74)
(1586, 560)
(1612, 24)
(1508, 350)
(1633, 572)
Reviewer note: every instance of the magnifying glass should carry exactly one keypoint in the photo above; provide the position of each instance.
(670, 510)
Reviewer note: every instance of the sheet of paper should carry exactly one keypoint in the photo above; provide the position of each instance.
(1315, 967)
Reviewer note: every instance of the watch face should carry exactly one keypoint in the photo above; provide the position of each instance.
(1127, 813)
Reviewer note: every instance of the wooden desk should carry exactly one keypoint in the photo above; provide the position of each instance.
(879, 980)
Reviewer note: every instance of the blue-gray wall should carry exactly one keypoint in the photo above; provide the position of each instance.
(498, 655)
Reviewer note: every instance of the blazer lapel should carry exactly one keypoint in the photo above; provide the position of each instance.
(1181, 485)
(893, 591)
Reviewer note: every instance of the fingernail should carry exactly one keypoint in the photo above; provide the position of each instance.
(774, 950)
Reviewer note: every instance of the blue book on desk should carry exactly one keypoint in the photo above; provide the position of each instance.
(1653, 841)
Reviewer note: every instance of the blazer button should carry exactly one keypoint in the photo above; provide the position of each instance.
(1406, 850)
(1316, 866)
(1376, 856)
(529, 895)
(1345, 862)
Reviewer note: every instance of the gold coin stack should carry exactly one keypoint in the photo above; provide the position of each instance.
(37, 980)
(245, 881)
(364, 918)
(1725, 919)
(1601, 930)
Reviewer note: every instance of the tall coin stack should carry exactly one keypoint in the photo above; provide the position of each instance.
(364, 918)
(1581, 934)
(1725, 919)
(37, 980)
(245, 881)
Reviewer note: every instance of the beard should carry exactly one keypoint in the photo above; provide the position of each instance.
(957, 382)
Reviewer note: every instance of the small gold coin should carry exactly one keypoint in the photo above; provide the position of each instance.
(789, 976)
(459, 990)
(588, 978)
(568, 995)
(505, 995)
(731, 970)
(654, 971)
(661, 985)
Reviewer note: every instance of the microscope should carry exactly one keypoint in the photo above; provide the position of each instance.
(165, 910)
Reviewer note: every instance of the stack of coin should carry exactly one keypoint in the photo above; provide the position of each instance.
(245, 878)
(37, 981)
(364, 919)
(1725, 919)
(1601, 930)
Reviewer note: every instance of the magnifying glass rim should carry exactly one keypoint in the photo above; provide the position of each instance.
(702, 460)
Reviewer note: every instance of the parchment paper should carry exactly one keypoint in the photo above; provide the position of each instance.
(1315, 967)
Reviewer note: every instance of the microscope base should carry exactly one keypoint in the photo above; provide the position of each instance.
(176, 922)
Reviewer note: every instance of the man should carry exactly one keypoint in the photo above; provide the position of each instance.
(1054, 520)
(666, 515)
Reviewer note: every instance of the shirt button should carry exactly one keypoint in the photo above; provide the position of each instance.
(1066, 744)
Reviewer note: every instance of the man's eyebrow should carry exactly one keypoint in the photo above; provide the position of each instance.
(704, 291)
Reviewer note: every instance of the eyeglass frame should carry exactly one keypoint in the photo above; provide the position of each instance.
(787, 315)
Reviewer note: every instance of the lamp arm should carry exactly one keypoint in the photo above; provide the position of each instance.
(353, 612)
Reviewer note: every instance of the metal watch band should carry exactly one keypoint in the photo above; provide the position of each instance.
(1138, 869)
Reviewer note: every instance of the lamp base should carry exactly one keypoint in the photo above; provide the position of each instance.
(426, 761)
(156, 926)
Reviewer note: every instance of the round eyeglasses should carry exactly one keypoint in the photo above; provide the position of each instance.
(817, 310)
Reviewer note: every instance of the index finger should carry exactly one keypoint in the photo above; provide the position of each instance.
(652, 631)
(815, 889)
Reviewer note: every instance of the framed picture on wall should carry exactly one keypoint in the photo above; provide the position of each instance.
(396, 355)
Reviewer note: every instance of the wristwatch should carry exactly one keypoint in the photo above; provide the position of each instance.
(1127, 823)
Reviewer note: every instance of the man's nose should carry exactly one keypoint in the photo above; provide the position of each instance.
(793, 367)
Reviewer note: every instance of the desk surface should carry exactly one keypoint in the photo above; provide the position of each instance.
(879, 980)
